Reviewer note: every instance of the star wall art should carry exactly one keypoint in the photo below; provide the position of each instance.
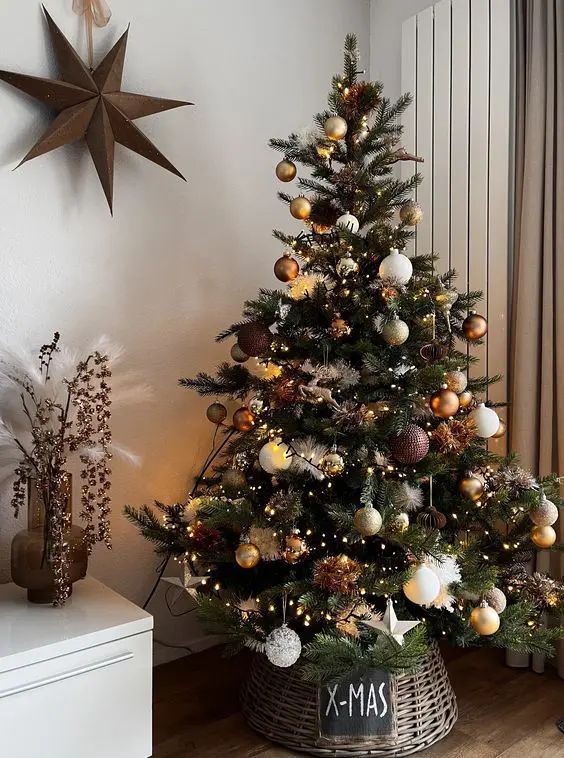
(89, 104)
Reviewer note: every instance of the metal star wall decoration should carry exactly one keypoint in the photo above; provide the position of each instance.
(390, 624)
(187, 582)
(90, 105)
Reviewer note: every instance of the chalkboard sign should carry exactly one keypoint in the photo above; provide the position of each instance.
(358, 708)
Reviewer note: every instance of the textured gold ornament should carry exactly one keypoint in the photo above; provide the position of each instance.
(484, 620)
(465, 398)
(338, 573)
(502, 428)
(247, 555)
(395, 332)
(456, 381)
(216, 413)
(233, 479)
(286, 171)
(339, 328)
(474, 327)
(471, 487)
(238, 355)
(243, 420)
(444, 403)
(367, 521)
(335, 127)
(543, 536)
(286, 268)
(411, 213)
(300, 208)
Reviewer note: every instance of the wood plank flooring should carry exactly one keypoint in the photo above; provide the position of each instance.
(504, 713)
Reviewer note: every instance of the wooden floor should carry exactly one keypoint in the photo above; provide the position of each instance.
(504, 712)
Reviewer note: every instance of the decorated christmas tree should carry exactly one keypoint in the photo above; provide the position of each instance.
(354, 485)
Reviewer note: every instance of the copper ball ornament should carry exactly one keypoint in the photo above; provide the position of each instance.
(286, 170)
(543, 536)
(247, 555)
(410, 446)
(484, 620)
(410, 213)
(471, 487)
(339, 328)
(444, 403)
(237, 354)
(474, 327)
(286, 268)
(254, 338)
(335, 127)
(300, 208)
(243, 420)
(456, 381)
(502, 428)
(465, 398)
(216, 413)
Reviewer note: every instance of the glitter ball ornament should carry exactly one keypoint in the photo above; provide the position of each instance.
(367, 521)
(485, 420)
(238, 355)
(243, 419)
(247, 555)
(465, 398)
(286, 170)
(254, 339)
(349, 222)
(286, 268)
(471, 487)
(295, 547)
(543, 536)
(410, 446)
(216, 413)
(233, 479)
(444, 403)
(456, 381)
(395, 332)
(500, 430)
(496, 599)
(339, 328)
(335, 127)
(484, 620)
(545, 513)
(410, 213)
(332, 463)
(423, 587)
(283, 647)
(275, 456)
(474, 327)
(300, 208)
(346, 267)
(396, 266)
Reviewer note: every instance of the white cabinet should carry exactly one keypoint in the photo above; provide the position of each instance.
(75, 681)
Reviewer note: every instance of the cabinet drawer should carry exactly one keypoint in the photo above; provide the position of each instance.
(95, 703)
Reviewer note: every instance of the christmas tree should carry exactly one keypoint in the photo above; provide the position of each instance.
(355, 486)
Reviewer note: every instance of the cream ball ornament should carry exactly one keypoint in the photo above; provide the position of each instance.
(496, 599)
(395, 332)
(396, 266)
(543, 536)
(486, 421)
(367, 521)
(484, 620)
(275, 456)
(283, 647)
(349, 222)
(423, 587)
(545, 513)
(335, 127)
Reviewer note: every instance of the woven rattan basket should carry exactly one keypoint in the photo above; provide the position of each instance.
(280, 705)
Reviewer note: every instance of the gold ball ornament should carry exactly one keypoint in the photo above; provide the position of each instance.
(286, 170)
(216, 413)
(247, 555)
(295, 548)
(395, 332)
(335, 127)
(545, 513)
(410, 213)
(465, 398)
(367, 521)
(238, 355)
(471, 487)
(286, 269)
(243, 420)
(502, 428)
(484, 620)
(300, 208)
(543, 536)
(332, 464)
(456, 381)
(339, 328)
(233, 479)
(444, 403)
(474, 327)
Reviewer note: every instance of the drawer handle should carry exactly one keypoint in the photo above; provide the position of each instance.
(66, 675)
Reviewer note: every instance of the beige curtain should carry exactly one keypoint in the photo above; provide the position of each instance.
(537, 340)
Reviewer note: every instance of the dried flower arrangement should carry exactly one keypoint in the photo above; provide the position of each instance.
(55, 409)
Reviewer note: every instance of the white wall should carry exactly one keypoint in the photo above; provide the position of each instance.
(175, 263)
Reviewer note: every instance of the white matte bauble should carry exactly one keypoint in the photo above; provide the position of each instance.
(275, 456)
(367, 521)
(423, 587)
(545, 513)
(349, 222)
(283, 647)
(346, 267)
(486, 421)
(396, 266)
(484, 620)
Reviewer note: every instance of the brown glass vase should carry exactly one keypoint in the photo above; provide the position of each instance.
(30, 549)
